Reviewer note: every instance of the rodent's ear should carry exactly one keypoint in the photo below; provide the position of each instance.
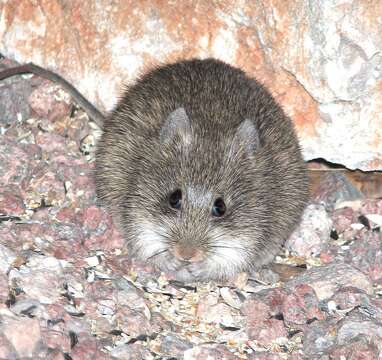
(246, 137)
(177, 123)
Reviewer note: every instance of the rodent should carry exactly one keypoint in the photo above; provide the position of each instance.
(201, 170)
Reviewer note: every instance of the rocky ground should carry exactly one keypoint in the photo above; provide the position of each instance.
(68, 289)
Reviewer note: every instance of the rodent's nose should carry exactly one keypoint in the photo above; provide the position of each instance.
(187, 253)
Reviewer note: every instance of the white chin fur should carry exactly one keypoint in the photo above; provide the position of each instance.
(229, 255)
(150, 240)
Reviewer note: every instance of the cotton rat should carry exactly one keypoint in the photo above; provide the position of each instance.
(201, 170)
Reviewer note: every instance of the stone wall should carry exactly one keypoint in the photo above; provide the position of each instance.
(321, 59)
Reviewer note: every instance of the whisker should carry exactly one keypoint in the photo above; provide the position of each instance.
(157, 253)
(226, 247)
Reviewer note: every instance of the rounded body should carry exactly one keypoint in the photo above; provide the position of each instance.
(201, 170)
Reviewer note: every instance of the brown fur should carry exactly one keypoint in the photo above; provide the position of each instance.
(143, 156)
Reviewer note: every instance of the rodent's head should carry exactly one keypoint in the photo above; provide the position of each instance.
(194, 206)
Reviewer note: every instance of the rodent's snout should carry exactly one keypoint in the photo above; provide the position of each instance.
(187, 253)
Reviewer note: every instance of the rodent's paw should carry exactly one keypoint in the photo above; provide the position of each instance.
(198, 271)
(182, 271)
(166, 262)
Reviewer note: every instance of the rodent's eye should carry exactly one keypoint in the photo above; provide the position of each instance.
(175, 199)
(219, 208)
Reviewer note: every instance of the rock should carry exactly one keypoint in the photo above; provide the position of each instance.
(301, 306)
(7, 256)
(335, 188)
(266, 332)
(214, 351)
(45, 188)
(365, 254)
(88, 348)
(27, 307)
(358, 348)
(41, 279)
(217, 313)
(131, 352)
(348, 298)
(14, 95)
(49, 101)
(326, 280)
(256, 310)
(373, 206)
(343, 218)
(260, 326)
(172, 345)
(263, 356)
(16, 162)
(336, 337)
(11, 203)
(132, 323)
(327, 77)
(23, 335)
(312, 234)
(274, 299)
(359, 323)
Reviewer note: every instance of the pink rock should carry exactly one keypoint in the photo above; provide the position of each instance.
(132, 322)
(55, 355)
(365, 253)
(91, 217)
(56, 337)
(23, 334)
(130, 352)
(327, 257)
(343, 218)
(214, 351)
(263, 356)
(334, 188)
(3, 289)
(15, 163)
(173, 345)
(48, 186)
(7, 350)
(274, 298)
(67, 215)
(109, 240)
(42, 281)
(44, 101)
(102, 234)
(260, 326)
(266, 331)
(255, 310)
(160, 324)
(357, 325)
(372, 207)
(356, 349)
(51, 143)
(88, 348)
(313, 233)
(321, 279)
(301, 305)
(349, 298)
(219, 313)
(11, 203)
(7, 257)
(205, 303)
